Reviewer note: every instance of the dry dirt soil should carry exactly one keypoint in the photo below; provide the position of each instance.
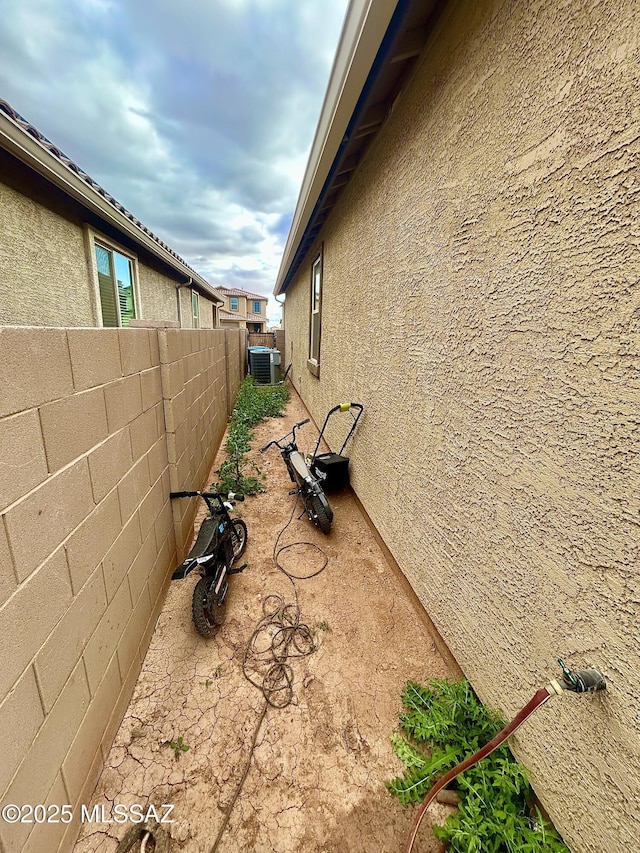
(315, 770)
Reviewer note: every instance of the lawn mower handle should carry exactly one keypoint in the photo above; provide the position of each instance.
(341, 407)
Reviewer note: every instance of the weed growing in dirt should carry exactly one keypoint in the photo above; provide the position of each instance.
(217, 672)
(495, 812)
(253, 404)
(323, 626)
(179, 746)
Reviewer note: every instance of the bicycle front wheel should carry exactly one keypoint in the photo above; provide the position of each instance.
(238, 537)
(208, 609)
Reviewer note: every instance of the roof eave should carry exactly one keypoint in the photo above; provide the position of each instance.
(380, 46)
(364, 28)
(29, 151)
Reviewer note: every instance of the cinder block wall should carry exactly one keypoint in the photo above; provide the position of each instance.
(87, 538)
(201, 374)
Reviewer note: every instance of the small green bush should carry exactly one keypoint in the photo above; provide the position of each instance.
(494, 815)
(254, 403)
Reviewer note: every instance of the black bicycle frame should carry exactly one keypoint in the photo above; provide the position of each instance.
(215, 531)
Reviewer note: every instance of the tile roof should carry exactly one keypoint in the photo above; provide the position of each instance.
(231, 315)
(235, 291)
(32, 131)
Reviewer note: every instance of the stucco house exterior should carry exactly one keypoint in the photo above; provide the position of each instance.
(97, 265)
(243, 310)
(463, 260)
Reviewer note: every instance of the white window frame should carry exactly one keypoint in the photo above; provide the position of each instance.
(195, 315)
(315, 313)
(237, 299)
(93, 238)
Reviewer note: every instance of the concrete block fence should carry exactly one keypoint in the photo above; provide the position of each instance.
(97, 426)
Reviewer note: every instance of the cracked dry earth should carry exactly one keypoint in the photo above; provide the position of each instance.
(315, 780)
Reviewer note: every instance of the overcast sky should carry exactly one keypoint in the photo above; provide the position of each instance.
(196, 115)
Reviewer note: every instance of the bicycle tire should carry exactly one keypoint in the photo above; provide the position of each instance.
(319, 515)
(208, 614)
(238, 537)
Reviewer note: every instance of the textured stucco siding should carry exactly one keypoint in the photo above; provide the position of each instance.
(158, 296)
(482, 300)
(46, 280)
(43, 267)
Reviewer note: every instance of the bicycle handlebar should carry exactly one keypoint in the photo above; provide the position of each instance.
(291, 432)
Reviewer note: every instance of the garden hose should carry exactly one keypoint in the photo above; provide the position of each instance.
(136, 838)
(582, 681)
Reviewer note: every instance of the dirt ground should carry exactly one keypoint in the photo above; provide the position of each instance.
(315, 776)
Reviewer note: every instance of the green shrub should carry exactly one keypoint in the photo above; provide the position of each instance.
(494, 814)
(253, 404)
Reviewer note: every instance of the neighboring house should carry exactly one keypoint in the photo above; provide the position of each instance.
(463, 260)
(243, 310)
(70, 255)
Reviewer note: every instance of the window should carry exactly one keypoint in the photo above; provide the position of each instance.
(233, 303)
(115, 281)
(256, 306)
(195, 310)
(316, 315)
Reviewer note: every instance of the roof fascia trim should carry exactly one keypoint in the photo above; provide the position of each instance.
(366, 36)
(27, 149)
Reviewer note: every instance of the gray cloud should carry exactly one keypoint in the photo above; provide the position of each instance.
(197, 116)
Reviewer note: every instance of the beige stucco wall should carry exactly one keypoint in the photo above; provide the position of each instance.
(43, 268)
(206, 313)
(158, 296)
(47, 271)
(90, 448)
(482, 300)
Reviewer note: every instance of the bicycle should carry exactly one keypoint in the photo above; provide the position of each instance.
(220, 542)
(308, 487)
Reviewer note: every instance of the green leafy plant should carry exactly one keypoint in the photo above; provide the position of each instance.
(441, 725)
(217, 672)
(254, 403)
(179, 746)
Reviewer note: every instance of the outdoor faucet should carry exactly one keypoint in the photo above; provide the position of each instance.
(582, 680)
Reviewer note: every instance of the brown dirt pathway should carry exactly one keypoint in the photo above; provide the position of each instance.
(315, 780)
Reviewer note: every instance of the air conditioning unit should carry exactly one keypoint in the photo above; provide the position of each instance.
(264, 365)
